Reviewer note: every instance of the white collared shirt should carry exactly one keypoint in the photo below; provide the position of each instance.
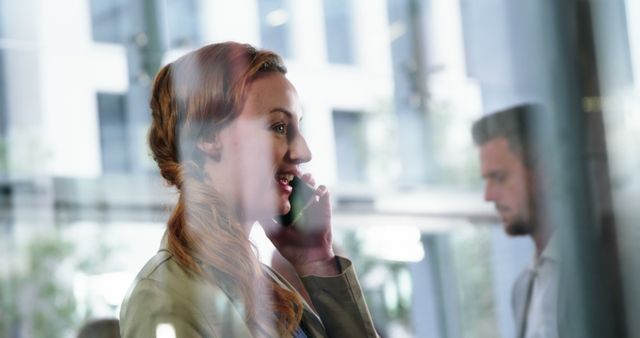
(542, 314)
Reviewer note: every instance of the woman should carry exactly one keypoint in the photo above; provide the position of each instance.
(226, 134)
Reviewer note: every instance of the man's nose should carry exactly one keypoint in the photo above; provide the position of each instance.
(489, 192)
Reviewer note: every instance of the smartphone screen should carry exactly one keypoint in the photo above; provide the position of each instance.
(301, 195)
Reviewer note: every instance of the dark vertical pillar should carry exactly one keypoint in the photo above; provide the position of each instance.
(581, 198)
(612, 41)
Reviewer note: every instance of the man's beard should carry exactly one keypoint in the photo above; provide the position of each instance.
(519, 227)
(522, 223)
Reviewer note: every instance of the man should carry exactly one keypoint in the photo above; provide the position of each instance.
(514, 183)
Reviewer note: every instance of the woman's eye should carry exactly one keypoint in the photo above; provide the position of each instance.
(280, 128)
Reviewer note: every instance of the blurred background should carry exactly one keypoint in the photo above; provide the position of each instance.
(390, 89)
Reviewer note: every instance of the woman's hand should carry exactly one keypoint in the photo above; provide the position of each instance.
(306, 244)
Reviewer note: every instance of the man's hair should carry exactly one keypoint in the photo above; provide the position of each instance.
(517, 125)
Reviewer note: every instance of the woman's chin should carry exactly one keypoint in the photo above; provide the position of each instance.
(272, 210)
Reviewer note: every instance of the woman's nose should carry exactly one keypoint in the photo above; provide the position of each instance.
(299, 151)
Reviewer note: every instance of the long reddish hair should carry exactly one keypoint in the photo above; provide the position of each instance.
(193, 98)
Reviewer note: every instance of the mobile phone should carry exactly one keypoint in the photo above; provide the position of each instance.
(301, 196)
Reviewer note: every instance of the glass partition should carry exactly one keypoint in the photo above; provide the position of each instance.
(390, 91)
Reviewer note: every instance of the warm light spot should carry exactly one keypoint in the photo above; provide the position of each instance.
(165, 330)
(277, 18)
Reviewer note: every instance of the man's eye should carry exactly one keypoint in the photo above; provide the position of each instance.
(280, 128)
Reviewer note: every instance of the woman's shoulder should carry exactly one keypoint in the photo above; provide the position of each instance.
(163, 269)
(163, 276)
(165, 289)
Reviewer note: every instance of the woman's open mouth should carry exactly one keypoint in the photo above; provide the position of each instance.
(283, 181)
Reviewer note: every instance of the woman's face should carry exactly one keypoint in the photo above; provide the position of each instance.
(259, 152)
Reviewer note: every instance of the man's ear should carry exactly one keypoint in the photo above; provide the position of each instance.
(211, 146)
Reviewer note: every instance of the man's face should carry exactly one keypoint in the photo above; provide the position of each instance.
(507, 185)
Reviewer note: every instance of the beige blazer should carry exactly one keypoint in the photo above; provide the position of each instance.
(165, 296)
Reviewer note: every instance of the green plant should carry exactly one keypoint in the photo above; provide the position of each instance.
(36, 301)
(386, 311)
(472, 252)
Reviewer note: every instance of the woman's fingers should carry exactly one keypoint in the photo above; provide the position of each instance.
(308, 178)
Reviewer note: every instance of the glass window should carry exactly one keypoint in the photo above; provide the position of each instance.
(5, 187)
(182, 20)
(83, 207)
(407, 100)
(108, 20)
(351, 147)
(275, 22)
(338, 21)
(4, 111)
(4, 119)
(114, 140)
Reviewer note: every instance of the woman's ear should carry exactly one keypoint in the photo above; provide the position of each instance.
(212, 146)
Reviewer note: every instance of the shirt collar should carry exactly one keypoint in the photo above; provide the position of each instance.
(550, 253)
(164, 242)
